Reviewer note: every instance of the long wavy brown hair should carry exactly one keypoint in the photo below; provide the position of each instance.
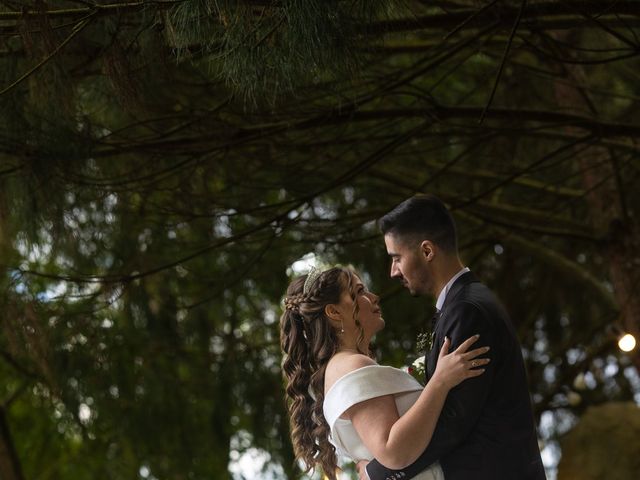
(308, 341)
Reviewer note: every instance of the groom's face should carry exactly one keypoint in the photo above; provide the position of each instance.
(408, 265)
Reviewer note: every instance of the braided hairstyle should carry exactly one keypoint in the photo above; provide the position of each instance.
(308, 341)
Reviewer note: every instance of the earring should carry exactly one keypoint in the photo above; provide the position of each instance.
(341, 326)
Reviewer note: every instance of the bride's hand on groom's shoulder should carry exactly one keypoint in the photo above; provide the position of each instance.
(455, 367)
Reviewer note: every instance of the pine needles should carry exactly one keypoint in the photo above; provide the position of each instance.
(265, 51)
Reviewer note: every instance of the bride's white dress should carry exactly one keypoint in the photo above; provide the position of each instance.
(360, 385)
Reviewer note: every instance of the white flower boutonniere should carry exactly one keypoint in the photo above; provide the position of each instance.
(417, 369)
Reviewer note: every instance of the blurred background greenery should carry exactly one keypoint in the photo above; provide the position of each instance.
(167, 166)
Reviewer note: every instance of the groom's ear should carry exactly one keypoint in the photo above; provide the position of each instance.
(427, 249)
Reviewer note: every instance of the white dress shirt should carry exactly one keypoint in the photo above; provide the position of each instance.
(443, 294)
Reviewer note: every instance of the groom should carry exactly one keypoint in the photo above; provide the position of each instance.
(486, 430)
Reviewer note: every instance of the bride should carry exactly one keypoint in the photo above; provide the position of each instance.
(340, 401)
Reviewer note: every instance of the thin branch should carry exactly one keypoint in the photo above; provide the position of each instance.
(95, 8)
(539, 16)
(76, 30)
(593, 18)
(514, 29)
(278, 218)
(470, 18)
(208, 143)
(615, 166)
(17, 367)
(15, 395)
(533, 221)
(567, 147)
(560, 263)
(10, 467)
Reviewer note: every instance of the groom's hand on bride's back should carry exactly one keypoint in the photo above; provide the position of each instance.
(361, 468)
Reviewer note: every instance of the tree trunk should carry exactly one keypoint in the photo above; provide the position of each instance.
(9, 463)
(610, 212)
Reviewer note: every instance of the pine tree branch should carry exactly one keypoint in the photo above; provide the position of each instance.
(573, 61)
(533, 221)
(18, 368)
(538, 16)
(95, 8)
(10, 468)
(566, 147)
(594, 18)
(552, 118)
(76, 30)
(280, 217)
(572, 270)
(504, 60)
(502, 130)
(541, 16)
(470, 18)
(209, 143)
(526, 182)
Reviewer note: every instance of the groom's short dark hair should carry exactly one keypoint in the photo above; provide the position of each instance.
(422, 217)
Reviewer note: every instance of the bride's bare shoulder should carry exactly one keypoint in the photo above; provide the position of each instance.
(341, 364)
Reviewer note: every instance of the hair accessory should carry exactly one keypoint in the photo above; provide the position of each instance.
(312, 276)
(289, 304)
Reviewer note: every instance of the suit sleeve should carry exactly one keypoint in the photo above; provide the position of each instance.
(464, 402)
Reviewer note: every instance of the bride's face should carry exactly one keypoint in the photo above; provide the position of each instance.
(369, 314)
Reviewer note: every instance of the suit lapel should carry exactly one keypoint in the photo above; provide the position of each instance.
(455, 290)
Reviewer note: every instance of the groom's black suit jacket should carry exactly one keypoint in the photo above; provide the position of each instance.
(486, 430)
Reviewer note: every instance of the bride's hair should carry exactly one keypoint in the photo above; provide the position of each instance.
(308, 341)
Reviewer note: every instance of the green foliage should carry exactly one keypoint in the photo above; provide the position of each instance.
(266, 51)
(148, 217)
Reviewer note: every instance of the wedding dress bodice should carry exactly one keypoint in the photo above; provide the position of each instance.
(360, 385)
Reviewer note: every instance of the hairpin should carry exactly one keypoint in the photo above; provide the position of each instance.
(312, 276)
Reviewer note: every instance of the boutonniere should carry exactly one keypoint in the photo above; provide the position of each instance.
(424, 342)
(417, 369)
